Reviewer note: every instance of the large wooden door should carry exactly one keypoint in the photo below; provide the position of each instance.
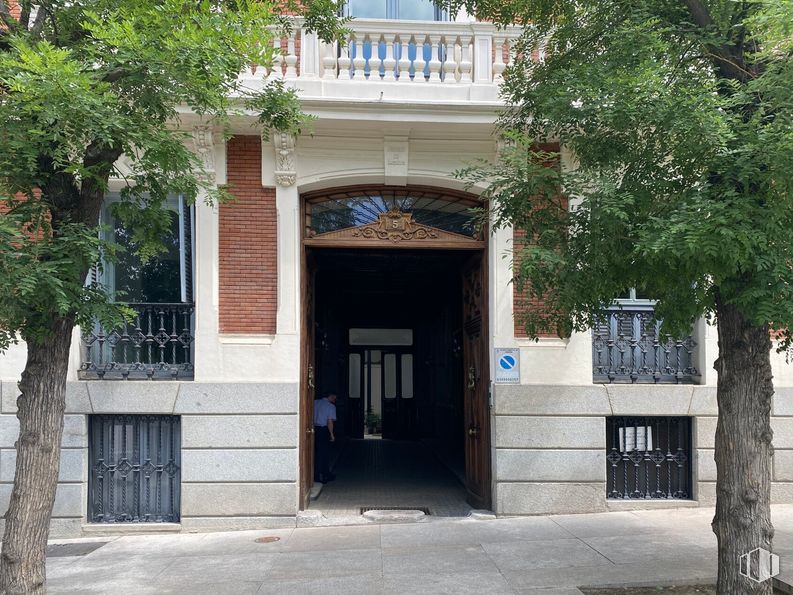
(307, 378)
(476, 370)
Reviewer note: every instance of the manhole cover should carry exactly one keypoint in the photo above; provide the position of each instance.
(268, 539)
(423, 509)
(64, 550)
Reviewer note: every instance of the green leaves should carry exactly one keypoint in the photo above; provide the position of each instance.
(677, 127)
(279, 109)
(93, 80)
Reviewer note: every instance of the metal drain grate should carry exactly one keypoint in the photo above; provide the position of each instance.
(423, 509)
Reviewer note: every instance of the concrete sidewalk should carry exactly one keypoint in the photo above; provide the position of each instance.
(541, 555)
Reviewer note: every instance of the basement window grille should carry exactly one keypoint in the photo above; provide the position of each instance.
(135, 470)
(648, 458)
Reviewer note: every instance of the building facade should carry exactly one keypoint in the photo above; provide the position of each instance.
(348, 262)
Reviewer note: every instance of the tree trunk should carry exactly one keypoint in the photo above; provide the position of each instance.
(743, 447)
(41, 407)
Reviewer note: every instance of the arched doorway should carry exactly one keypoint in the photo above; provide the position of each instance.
(394, 306)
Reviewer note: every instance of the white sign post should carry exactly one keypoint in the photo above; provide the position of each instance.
(507, 365)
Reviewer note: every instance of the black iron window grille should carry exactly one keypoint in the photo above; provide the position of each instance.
(648, 458)
(135, 469)
(156, 344)
(628, 347)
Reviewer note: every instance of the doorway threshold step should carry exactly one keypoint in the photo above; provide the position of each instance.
(398, 515)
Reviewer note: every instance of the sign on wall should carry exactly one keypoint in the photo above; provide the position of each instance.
(507, 365)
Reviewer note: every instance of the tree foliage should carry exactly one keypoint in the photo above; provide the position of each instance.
(83, 82)
(677, 116)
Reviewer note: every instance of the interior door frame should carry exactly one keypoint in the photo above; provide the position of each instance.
(308, 245)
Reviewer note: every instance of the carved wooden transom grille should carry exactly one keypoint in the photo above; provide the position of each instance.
(391, 214)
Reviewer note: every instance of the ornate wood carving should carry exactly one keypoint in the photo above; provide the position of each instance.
(395, 228)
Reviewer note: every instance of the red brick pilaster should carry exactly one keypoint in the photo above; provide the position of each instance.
(248, 244)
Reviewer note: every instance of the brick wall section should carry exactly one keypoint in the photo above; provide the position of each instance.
(248, 244)
(521, 301)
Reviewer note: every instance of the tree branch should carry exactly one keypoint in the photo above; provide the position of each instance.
(727, 59)
(24, 18)
(115, 74)
(38, 23)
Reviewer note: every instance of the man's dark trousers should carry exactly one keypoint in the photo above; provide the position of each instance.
(322, 450)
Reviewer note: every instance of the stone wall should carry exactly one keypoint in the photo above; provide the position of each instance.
(550, 443)
(239, 449)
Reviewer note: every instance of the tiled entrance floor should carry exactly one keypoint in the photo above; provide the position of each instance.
(389, 473)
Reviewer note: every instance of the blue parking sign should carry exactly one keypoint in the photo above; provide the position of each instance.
(507, 362)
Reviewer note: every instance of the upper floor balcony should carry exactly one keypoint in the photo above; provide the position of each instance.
(396, 60)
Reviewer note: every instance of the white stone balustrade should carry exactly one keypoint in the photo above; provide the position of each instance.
(466, 59)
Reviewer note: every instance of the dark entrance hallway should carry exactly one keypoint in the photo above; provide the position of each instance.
(388, 341)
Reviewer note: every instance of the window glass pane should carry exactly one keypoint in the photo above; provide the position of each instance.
(353, 209)
(416, 10)
(156, 281)
(407, 376)
(389, 364)
(381, 336)
(368, 9)
(355, 376)
(375, 385)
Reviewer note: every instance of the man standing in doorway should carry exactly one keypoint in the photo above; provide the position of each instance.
(324, 419)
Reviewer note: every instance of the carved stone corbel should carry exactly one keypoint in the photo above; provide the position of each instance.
(285, 174)
(205, 149)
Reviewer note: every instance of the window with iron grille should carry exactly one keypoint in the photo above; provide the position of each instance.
(648, 458)
(135, 468)
(628, 346)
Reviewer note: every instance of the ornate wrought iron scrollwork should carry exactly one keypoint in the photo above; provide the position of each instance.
(135, 468)
(157, 343)
(648, 458)
(627, 346)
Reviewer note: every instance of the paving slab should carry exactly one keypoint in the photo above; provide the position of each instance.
(302, 565)
(242, 542)
(649, 547)
(600, 524)
(529, 555)
(342, 538)
(492, 583)
(334, 585)
(427, 534)
(220, 568)
(437, 560)
(516, 529)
